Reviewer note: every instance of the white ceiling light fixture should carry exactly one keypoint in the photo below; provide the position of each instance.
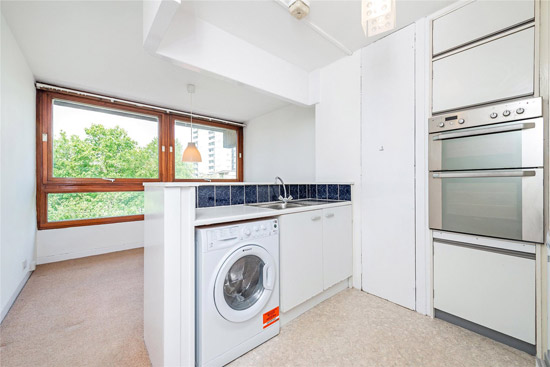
(298, 8)
(377, 16)
(191, 153)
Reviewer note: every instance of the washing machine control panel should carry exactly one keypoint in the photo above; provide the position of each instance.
(226, 236)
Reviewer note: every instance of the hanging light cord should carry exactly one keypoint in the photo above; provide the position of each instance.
(191, 117)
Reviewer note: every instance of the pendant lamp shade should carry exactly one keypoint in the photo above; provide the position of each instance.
(191, 153)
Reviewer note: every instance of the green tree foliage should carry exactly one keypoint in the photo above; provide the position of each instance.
(110, 153)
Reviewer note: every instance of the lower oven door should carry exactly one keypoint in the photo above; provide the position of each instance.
(497, 203)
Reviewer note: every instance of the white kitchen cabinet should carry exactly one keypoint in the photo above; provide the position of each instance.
(337, 245)
(501, 69)
(491, 288)
(477, 20)
(315, 253)
(301, 257)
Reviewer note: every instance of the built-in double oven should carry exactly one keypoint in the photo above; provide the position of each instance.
(486, 171)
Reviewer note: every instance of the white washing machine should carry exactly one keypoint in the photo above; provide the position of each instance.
(237, 289)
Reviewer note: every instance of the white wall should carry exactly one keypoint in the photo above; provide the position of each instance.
(281, 143)
(338, 137)
(71, 243)
(17, 162)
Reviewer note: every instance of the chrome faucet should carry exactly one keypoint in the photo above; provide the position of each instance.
(284, 199)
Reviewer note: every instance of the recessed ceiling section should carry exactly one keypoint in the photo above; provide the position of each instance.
(270, 26)
(97, 46)
(261, 45)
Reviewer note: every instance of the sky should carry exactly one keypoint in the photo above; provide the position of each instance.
(73, 121)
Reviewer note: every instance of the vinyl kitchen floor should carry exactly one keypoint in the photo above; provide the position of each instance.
(357, 329)
(89, 312)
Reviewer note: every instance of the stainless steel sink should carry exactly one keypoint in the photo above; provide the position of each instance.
(278, 206)
(309, 202)
(293, 204)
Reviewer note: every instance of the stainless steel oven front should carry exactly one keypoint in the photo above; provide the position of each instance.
(486, 171)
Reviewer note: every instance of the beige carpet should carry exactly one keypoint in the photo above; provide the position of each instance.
(84, 312)
(89, 312)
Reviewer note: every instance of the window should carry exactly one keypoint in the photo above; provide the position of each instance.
(96, 142)
(93, 157)
(218, 146)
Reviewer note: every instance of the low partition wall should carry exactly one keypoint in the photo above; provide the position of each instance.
(238, 194)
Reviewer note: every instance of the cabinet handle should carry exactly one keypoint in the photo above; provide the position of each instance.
(317, 217)
(329, 215)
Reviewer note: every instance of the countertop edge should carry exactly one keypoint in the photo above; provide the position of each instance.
(268, 213)
(195, 184)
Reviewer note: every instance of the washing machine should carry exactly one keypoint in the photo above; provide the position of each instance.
(237, 300)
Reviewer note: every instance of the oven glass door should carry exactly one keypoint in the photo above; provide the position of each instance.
(508, 145)
(504, 203)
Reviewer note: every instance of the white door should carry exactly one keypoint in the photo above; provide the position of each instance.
(337, 245)
(388, 156)
(301, 257)
(244, 283)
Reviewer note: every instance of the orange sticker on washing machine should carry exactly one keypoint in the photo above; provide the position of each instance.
(271, 315)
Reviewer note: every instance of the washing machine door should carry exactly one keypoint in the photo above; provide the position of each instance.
(244, 283)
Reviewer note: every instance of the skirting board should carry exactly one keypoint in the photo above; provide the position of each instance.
(14, 296)
(489, 333)
(86, 253)
(312, 302)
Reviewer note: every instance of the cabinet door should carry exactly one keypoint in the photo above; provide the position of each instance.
(301, 257)
(337, 245)
(496, 70)
(478, 20)
(492, 289)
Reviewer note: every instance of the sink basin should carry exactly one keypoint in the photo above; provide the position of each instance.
(293, 204)
(309, 202)
(278, 206)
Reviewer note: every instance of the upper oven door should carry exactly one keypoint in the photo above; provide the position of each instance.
(513, 144)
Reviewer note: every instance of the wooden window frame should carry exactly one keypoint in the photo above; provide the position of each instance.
(47, 184)
(172, 161)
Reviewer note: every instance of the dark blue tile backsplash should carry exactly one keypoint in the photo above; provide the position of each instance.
(332, 192)
(223, 195)
(250, 194)
(205, 196)
(273, 192)
(263, 193)
(237, 195)
(321, 191)
(294, 191)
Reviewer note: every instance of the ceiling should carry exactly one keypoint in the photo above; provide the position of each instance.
(268, 25)
(97, 46)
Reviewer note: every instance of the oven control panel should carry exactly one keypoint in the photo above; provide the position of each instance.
(497, 113)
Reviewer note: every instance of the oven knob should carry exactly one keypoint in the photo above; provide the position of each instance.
(461, 121)
(441, 124)
(520, 110)
(246, 232)
(493, 115)
(263, 228)
(506, 113)
(256, 228)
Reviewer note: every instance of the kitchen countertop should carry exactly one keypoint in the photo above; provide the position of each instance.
(231, 183)
(224, 214)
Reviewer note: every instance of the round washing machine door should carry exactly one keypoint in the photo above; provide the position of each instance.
(244, 283)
